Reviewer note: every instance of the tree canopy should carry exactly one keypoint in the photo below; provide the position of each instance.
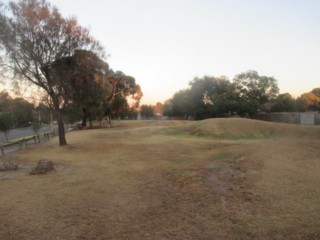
(218, 96)
(60, 57)
(284, 103)
(20, 110)
(6, 123)
(82, 78)
(212, 97)
(34, 36)
(308, 102)
(254, 91)
(146, 111)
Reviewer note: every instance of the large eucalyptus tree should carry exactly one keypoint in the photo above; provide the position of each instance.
(33, 36)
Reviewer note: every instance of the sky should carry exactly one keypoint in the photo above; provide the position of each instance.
(164, 44)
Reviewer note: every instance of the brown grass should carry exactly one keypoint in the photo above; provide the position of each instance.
(212, 179)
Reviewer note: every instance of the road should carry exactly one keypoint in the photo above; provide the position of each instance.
(22, 132)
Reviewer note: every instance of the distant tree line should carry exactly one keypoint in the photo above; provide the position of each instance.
(14, 112)
(21, 111)
(247, 94)
(151, 111)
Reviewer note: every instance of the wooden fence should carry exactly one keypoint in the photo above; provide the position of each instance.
(22, 142)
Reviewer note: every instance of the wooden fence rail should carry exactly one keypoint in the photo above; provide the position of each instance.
(23, 140)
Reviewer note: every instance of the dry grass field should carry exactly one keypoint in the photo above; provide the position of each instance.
(211, 179)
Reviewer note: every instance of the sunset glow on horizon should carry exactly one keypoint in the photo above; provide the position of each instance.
(164, 44)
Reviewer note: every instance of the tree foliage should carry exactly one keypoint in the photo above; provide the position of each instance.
(308, 102)
(20, 109)
(6, 123)
(181, 103)
(212, 97)
(316, 91)
(92, 90)
(284, 103)
(34, 36)
(43, 113)
(146, 111)
(218, 96)
(254, 91)
(82, 78)
(124, 91)
(158, 108)
(22, 112)
(167, 108)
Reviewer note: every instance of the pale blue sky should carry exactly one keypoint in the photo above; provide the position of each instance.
(166, 43)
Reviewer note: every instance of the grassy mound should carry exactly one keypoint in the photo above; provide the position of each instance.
(148, 123)
(238, 128)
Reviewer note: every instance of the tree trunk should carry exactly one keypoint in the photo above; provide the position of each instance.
(84, 118)
(84, 122)
(91, 123)
(62, 134)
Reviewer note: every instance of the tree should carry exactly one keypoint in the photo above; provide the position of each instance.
(207, 97)
(6, 123)
(94, 91)
(22, 112)
(130, 113)
(316, 91)
(167, 108)
(20, 109)
(146, 111)
(84, 79)
(181, 104)
(136, 96)
(119, 105)
(218, 97)
(213, 97)
(43, 113)
(128, 106)
(124, 85)
(158, 108)
(284, 103)
(34, 36)
(123, 88)
(5, 102)
(254, 91)
(308, 102)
